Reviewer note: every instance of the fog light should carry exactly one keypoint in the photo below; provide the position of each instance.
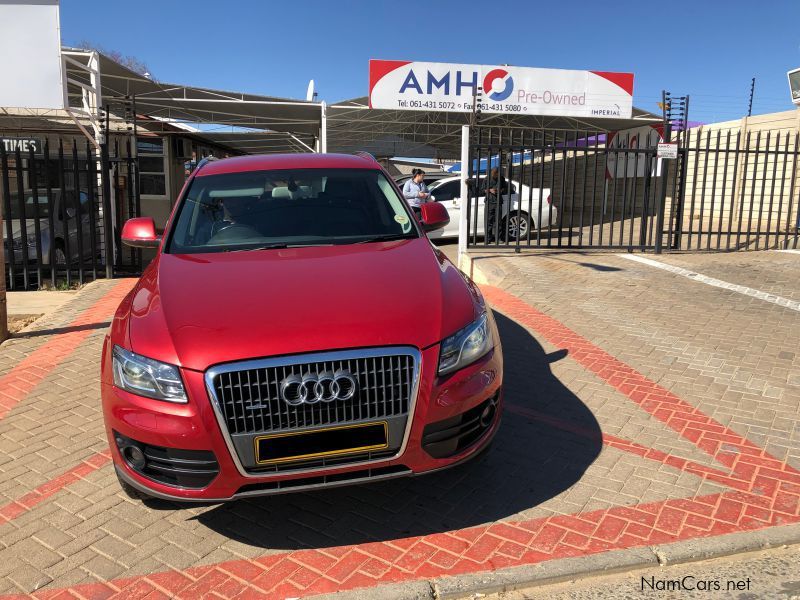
(487, 416)
(134, 456)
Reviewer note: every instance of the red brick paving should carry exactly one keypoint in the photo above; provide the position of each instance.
(766, 493)
(27, 502)
(21, 380)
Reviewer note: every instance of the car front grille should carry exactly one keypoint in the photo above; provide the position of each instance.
(248, 394)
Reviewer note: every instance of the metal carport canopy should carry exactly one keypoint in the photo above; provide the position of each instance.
(352, 126)
(196, 104)
(259, 142)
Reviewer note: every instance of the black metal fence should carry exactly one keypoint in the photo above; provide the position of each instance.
(736, 192)
(59, 227)
(591, 189)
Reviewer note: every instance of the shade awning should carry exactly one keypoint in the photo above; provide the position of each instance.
(259, 142)
(276, 124)
(352, 126)
(191, 104)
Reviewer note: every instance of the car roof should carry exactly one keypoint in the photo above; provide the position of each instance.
(268, 162)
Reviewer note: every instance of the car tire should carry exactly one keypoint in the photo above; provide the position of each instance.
(516, 224)
(131, 492)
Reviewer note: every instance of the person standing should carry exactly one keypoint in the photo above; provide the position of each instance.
(415, 190)
(496, 187)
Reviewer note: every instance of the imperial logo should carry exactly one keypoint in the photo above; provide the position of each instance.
(607, 112)
(499, 84)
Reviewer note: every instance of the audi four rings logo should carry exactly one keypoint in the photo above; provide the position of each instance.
(311, 388)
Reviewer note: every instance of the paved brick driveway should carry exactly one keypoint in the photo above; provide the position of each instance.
(643, 408)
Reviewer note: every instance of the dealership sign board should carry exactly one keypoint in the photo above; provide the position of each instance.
(405, 85)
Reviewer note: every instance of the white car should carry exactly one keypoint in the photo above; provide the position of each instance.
(448, 192)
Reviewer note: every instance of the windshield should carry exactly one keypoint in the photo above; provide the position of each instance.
(301, 207)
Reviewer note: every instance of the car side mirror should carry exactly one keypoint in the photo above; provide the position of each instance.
(140, 233)
(433, 216)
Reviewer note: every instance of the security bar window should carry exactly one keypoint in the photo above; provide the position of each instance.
(152, 172)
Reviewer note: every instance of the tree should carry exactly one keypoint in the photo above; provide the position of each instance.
(130, 62)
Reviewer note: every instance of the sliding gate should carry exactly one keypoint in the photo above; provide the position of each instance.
(62, 207)
(592, 189)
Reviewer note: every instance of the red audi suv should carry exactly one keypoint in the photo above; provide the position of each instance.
(295, 330)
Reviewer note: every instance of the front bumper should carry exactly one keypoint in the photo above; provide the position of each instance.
(194, 426)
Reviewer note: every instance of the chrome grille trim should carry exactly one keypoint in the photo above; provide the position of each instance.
(304, 359)
(250, 399)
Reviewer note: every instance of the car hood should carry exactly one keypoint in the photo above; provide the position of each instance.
(204, 309)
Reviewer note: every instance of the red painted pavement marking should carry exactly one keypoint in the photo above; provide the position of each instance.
(744, 458)
(476, 549)
(20, 381)
(619, 443)
(774, 499)
(14, 509)
(17, 507)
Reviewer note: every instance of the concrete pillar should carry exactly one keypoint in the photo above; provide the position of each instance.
(740, 182)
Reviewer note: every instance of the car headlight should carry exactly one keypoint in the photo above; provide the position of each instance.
(146, 377)
(466, 346)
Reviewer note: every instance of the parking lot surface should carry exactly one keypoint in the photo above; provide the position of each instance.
(770, 574)
(644, 407)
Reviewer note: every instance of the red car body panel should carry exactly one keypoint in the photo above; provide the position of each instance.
(200, 310)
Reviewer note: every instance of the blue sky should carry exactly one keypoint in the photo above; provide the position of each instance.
(709, 49)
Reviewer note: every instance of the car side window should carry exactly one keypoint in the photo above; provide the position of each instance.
(447, 191)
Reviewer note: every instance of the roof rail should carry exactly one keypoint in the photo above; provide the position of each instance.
(366, 155)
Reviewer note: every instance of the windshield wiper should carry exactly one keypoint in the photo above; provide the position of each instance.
(387, 238)
(275, 246)
(264, 247)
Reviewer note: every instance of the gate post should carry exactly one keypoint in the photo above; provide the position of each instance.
(3, 307)
(323, 128)
(662, 207)
(108, 233)
(463, 216)
(662, 197)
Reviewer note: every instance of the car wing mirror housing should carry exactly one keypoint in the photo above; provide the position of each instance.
(433, 216)
(140, 233)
